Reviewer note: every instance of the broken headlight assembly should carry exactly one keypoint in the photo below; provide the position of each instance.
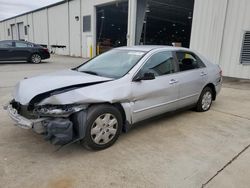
(58, 110)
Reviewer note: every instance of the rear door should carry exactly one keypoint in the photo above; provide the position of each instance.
(192, 77)
(157, 96)
(5, 50)
(22, 50)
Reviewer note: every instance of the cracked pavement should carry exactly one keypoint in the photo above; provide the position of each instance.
(186, 149)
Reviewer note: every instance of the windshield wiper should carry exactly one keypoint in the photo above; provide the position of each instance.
(90, 72)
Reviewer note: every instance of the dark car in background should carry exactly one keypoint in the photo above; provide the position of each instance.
(14, 50)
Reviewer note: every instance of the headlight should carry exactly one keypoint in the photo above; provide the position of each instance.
(58, 110)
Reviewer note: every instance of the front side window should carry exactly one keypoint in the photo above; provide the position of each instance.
(160, 64)
(113, 64)
(188, 61)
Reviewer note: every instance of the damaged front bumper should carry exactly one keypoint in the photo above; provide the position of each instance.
(58, 129)
(21, 121)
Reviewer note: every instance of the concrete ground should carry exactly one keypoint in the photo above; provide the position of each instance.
(187, 149)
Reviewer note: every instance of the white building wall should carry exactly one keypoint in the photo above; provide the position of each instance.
(2, 30)
(237, 23)
(40, 27)
(207, 28)
(75, 28)
(30, 27)
(217, 33)
(8, 25)
(56, 25)
(59, 28)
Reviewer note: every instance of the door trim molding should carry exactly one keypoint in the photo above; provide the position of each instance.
(165, 103)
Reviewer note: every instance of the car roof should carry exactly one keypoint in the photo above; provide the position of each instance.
(147, 48)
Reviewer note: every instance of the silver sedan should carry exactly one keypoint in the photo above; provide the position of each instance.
(95, 102)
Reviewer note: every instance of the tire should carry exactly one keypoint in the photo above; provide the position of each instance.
(104, 125)
(205, 101)
(35, 58)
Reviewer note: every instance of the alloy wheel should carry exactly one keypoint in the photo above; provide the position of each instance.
(36, 58)
(206, 100)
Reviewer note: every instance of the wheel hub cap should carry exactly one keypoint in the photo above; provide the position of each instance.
(104, 129)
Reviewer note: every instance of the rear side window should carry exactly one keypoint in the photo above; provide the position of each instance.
(160, 64)
(188, 61)
(6, 44)
(23, 45)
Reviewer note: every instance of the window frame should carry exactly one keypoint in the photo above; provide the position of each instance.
(191, 53)
(146, 60)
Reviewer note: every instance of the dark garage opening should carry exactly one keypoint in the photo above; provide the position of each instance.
(112, 20)
(165, 22)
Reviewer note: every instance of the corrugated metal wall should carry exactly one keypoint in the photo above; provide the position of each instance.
(217, 33)
(57, 25)
(207, 29)
(40, 27)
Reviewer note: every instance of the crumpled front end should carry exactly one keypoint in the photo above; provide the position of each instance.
(56, 105)
(58, 124)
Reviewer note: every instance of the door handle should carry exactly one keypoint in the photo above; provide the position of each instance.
(203, 74)
(173, 81)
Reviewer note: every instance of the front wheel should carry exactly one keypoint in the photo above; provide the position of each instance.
(35, 58)
(205, 100)
(104, 125)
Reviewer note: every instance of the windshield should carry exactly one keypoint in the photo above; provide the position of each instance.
(113, 64)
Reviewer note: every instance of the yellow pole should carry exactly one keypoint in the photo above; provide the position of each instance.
(91, 51)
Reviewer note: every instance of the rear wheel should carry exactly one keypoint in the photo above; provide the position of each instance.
(104, 125)
(35, 58)
(205, 100)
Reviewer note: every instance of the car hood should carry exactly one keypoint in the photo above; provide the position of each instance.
(29, 88)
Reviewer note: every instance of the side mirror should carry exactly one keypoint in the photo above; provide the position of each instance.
(145, 76)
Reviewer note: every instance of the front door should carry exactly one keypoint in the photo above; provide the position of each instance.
(157, 96)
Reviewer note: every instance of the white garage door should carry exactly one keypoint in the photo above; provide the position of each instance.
(13, 32)
(20, 31)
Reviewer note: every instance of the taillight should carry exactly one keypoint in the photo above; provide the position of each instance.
(46, 50)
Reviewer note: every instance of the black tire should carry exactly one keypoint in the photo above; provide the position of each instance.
(35, 58)
(199, 106)
(94, 113)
